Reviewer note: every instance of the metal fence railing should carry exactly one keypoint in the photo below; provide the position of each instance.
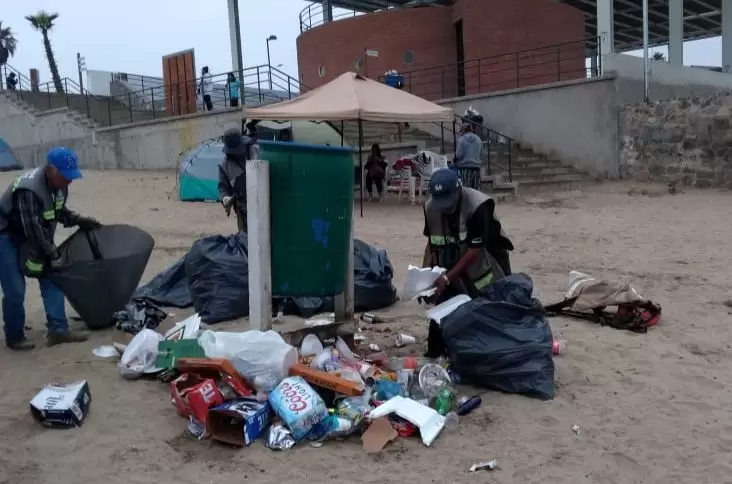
(542, 65)
(260, 85)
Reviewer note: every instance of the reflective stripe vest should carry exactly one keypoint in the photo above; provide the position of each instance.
(35, 181)
(447, 248)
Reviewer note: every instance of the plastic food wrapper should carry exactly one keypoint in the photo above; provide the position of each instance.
(262, 358)
(140, 355)
(429, 422)
(440, 311)
(279, 437)
(298, 405)
(419, 281)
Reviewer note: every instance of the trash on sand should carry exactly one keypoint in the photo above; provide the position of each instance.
(279, 437)
(239, 422)
(485, 466)
(311, 323)
(343, 349)
(298, 405)
(404, 339)
(379, 433)
(316, 445)
(420, 280)
(429, 422)
(140, 355)
(61, 406)
(374, 347)
(186, 329)
(137, 315)
(231, 384)
(369, 318)
(559, 346)
(468, 405)
(433, 379)
(330, 381)
(446, 308)
(311, 346)
(193, 395)
(576, 429)
(106, 351)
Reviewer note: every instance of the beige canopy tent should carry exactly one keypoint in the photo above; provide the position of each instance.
(352, 97)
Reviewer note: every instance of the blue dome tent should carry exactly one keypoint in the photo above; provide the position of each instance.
(8, 161)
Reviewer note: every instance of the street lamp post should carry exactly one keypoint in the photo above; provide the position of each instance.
(269, 60)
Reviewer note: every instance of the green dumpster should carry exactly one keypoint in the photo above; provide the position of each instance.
(311, 209)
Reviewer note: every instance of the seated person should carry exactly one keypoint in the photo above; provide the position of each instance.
(375, 172)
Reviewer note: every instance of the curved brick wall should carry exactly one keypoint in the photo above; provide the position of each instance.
(493, 30)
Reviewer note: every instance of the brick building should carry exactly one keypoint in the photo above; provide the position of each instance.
(450, 49)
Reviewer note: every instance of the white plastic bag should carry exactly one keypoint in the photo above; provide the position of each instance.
(264, 359)
(140, 355)
(311, 346)
(420, 280)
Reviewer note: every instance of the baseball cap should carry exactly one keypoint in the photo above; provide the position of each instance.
(444, 189)
(66, 162)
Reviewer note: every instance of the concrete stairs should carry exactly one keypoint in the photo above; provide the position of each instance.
(101, 110)
(533, 172)
(73, 115)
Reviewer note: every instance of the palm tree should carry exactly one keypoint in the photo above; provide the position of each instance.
(8, 43)
(658, 56)
(43, 22)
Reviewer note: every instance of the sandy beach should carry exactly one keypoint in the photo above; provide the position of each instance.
(651, 408)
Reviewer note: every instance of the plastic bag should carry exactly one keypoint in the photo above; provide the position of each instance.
(298, 405)
(502, 341)
(102, 270)
(217, 268)
(169, 288)
(140, 354)
(261, 358)
(311, 346)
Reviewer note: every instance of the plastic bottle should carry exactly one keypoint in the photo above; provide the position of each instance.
(445, 402)
(452, 421)
(559, 346)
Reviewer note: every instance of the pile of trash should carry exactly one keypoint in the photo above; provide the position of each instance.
(237, 387)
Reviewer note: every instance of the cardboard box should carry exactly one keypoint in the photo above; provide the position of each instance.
(62, 406)
(239, 422)
(331, 381)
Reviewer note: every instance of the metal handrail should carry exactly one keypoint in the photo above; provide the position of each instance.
(5, 69)
(540, 65)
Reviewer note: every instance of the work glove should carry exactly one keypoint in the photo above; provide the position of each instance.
(227, 203)
(58, 261)
(87, 224)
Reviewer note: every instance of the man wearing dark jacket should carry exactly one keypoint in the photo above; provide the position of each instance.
(30, 209)
(233, 176)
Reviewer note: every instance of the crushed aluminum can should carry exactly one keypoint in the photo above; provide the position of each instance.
(196, 428)
(482, 466)
(279, 437)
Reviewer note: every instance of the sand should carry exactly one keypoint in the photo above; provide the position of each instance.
(650, 408)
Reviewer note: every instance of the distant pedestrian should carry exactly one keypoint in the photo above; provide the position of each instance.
(468, 157)
(234, 86)
(206, 88)
(11, 81)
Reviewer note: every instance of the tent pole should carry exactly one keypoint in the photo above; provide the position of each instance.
(360, 160)
(442, 137)
(341, 133)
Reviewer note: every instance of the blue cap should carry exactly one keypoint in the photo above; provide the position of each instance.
(444, 189)
(66, 162)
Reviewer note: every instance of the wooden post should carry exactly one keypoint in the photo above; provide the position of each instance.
(260, 249)
(344, 301)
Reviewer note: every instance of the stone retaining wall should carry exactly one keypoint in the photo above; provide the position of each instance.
(687, 140)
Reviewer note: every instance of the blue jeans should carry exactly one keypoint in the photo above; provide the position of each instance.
(12, 282)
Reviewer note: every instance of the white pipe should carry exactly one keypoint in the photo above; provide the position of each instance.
(645, 51)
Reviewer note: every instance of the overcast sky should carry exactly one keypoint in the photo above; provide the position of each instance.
(133, 35)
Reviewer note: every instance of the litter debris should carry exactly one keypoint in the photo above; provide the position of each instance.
(279, 437)
(138, 315)
(374, 347)
(379, 433)
(404, 339)
(106, 351)
(559, 346)
(369, 318)
(576, 429)
(140, 355)
(420, 280)
(61, 406)
(429, 422)
(485, 466)
(239, 422)
(298, 405)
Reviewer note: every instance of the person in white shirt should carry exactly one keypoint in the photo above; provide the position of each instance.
(206, 88)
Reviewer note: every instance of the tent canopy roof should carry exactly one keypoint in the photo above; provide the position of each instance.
(352, 97)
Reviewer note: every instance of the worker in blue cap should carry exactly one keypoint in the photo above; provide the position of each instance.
(463, 236)
(30, 209)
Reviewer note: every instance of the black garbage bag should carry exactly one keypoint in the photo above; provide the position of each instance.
(217, 269)
(502, 340)
(169, 288)
(373, 288)
(102, 270)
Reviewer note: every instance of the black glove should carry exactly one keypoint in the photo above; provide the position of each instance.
(87, 224)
